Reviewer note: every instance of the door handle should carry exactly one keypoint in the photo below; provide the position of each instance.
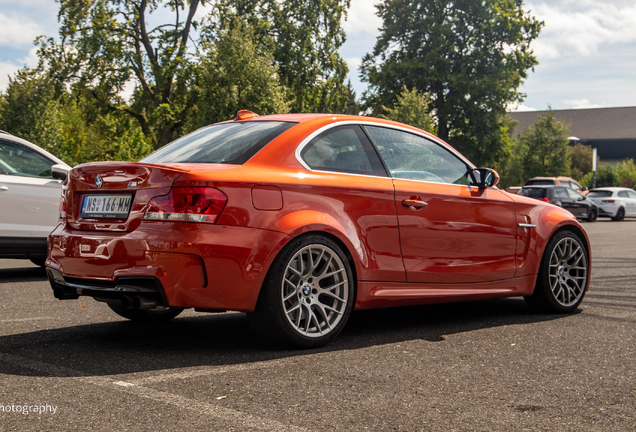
(415, 204)
(4, 188)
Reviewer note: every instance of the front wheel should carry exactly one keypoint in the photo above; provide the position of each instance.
(307, 296)
(620, 215)
(157, 315)
(562, 276)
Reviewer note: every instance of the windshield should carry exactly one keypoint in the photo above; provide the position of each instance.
(227, 143)
(540, 182)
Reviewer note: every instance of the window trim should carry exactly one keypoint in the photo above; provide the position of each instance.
(336, 123)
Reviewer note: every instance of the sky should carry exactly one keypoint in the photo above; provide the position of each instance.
(586, 51)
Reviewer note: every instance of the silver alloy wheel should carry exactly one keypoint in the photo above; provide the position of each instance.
(315, 290)
(568, 271)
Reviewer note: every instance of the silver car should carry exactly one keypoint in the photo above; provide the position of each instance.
(30, 189)
(614, 202)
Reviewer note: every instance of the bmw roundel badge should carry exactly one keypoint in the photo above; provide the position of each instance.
(99, 181)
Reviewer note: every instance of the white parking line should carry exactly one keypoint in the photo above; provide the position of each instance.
(238, 418)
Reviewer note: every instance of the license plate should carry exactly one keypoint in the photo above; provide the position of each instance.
(105, 206)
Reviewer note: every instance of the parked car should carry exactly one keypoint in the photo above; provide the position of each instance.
(297, 219)
(565, 197)
(558, 181)
(614, 202)
(30, 187)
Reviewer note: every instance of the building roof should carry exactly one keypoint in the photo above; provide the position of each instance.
(588, 123)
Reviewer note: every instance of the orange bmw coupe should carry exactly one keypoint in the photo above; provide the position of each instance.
(298, 219)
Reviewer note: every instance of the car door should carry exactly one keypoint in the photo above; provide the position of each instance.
(631, 199)
(450, 232)
(577, 206)
(30, 196)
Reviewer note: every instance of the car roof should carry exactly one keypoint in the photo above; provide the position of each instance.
(6, 136)
(613, 189)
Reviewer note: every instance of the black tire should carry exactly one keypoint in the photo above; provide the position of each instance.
(620, 215)
(153, 316)
(563, 275)
(592, 214)
(38, 260)
(307, 296)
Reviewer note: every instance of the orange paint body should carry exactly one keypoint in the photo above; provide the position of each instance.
(465, 244)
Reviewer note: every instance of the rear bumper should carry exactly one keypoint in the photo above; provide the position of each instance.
(194, 265)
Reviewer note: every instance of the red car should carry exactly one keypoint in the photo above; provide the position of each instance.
(297, 219)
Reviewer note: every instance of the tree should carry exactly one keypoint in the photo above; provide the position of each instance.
(106, 44)
(606, 176)
(304, 37)
(471, 56)
(581, 157)
(35, 109)
(234, 75)
(545, 147)
(412, 108)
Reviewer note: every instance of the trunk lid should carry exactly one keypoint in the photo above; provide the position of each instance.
(126, 186)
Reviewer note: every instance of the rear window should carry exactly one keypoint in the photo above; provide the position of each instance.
(540, 182)
(225, 143)
(599, 194)
(532, 192)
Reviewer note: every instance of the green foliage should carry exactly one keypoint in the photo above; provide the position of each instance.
(412, 108)
(626, 171)
(606, 176)
(581, 157)
(303, 37)
(471, 56)
(545, 147)
(234, 75)
(66, 126)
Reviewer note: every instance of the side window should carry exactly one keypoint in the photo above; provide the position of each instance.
(575, 186)
(21, 161)
(631, 194)
(622, 194)
(574, 194)
(343, 149)
(412, 157)
(560, 193)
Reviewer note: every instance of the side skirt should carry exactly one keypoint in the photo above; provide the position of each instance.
(382, 294)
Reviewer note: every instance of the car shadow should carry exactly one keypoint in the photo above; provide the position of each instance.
(23, 274)
(123, 347)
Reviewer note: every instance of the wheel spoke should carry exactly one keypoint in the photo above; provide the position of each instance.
(567, 271)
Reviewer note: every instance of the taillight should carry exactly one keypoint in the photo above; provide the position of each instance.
(62, 208)
(187, 204)
(544, 199)
(608, 201)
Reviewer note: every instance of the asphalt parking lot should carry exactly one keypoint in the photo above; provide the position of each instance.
(487, 366)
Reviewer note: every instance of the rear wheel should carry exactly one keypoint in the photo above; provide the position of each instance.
(307, 296)
(620, 215)
(38, 260)
(156, 315)
(563, 275)
(592, 214)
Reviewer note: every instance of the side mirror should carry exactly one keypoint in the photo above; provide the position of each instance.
(59, 171)
(484, 177)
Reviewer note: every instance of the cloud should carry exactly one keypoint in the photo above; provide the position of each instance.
(361, 19)
(517, 107)
(17, 31)
(580, 103)
(579, 28)
(10, 68)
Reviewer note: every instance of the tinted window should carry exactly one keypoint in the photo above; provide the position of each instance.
(599, 194)
(540, 182)
(560, 193)
(532, 192)
(19, 160)
(574, 194)
(622, 194)
(343, 149)
(228, 143)
(412, 157)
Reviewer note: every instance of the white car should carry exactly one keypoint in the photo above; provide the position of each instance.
(615, 202)
(30, 189)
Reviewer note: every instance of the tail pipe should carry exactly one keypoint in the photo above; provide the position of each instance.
(138, 302)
